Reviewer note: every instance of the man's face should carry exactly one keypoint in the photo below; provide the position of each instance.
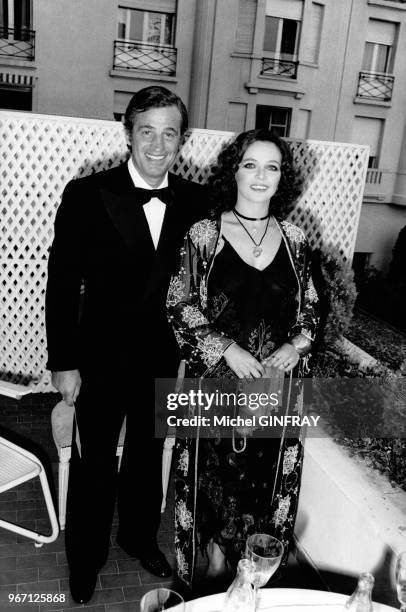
(154, 141)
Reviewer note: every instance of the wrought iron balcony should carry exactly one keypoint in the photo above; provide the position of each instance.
(144, 56)
(279, 67)
(17, 43)
(375, 85)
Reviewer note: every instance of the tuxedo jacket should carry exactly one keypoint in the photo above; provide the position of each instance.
(107, 284)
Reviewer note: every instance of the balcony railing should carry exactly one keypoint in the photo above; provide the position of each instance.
(144, 56)
(374, 176)
(17, 43)
(279, 67)
(375, 85)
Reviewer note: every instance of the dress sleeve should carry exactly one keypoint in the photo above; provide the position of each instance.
(200, 344)
(308, 319)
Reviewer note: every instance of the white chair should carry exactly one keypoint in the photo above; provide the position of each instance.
(17, 465)
(169, 443)
(62, 426)
(13, 390)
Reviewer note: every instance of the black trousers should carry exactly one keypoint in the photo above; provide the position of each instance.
(94, 482)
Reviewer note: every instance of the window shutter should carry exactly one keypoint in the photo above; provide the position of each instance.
(382, 32)
(246, 26)
(367, 131)
(287, 9)
(313, 33)
(161, 6)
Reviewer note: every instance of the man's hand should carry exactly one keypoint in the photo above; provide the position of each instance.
(68, 384)
(242, 363)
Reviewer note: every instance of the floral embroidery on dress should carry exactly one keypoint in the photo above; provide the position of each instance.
(202, 232)
(179, 338)
(293, 232)
(298, 408)
(181, 562)
(193, 316)
(306, 332)
(183, 516)
(289, 459)
(311, 293)
(203, 293)
(175, 292)
(218, 303)
(211, 350)
(183, 463)
(281, 513)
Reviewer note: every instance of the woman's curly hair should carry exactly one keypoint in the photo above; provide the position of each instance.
(223, 186)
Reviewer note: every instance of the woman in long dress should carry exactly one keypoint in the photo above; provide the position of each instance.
(242, 299)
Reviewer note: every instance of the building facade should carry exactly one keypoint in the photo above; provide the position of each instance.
(322, 69)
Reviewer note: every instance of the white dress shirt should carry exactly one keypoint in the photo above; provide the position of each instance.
(154, 209)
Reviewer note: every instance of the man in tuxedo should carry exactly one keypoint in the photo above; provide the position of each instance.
(117, 234)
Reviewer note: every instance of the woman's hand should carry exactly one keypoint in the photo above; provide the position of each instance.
(284, 358)
(242, 363)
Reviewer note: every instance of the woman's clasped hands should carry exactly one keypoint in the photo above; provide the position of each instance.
(245, 365)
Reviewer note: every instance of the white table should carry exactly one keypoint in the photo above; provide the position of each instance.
(288, 600)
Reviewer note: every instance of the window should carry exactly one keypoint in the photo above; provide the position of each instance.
(15, 18)
(146, 26)
(274, 118)
(145, 41)
(379, 46)
(281, 37)
(376, 79)
(377, 58)
(17, 98)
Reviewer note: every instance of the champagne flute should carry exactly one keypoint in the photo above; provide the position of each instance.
(266, 552)
(162, 599)
(400, 575)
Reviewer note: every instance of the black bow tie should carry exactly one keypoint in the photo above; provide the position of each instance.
(145, 195)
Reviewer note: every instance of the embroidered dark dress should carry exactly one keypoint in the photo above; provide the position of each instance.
(219, 492)
(235, 489)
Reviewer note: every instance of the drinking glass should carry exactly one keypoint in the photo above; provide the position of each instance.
(266, 553)
(162, 599)
(400, 575)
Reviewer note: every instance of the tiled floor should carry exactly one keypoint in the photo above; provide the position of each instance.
(31, 571)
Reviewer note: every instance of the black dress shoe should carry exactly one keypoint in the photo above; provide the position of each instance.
(82, 587)
(153, 560)
(156, 563)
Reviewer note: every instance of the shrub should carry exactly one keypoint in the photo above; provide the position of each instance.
(335, 285)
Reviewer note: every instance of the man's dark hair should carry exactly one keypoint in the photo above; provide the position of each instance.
(153, 97)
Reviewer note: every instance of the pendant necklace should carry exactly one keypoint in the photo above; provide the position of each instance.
(257, 250)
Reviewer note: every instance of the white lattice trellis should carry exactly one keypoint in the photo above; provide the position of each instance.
(40, 154)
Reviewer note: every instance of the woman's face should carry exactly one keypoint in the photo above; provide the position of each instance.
(259, 172)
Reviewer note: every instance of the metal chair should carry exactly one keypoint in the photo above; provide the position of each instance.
(17, 465)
